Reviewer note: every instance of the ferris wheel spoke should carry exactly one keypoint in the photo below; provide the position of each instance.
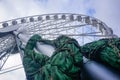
(12, 68)
(55, 24)
(65, 28)
(84, 34)
(48, 28)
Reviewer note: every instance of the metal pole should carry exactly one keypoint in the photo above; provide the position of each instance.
(96, 71)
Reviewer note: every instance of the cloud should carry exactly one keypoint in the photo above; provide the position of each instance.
(108, 12)
(19, 8)
(105, 10)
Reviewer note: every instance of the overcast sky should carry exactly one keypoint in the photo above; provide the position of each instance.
(105, 10)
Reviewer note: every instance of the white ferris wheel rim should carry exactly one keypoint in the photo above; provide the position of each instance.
(14, 24)
(11, 25)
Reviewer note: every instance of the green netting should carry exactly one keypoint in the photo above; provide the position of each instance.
(105, 50)
(66, 61)
(64, 64)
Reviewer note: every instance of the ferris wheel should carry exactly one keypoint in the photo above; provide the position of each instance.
(81, 27)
